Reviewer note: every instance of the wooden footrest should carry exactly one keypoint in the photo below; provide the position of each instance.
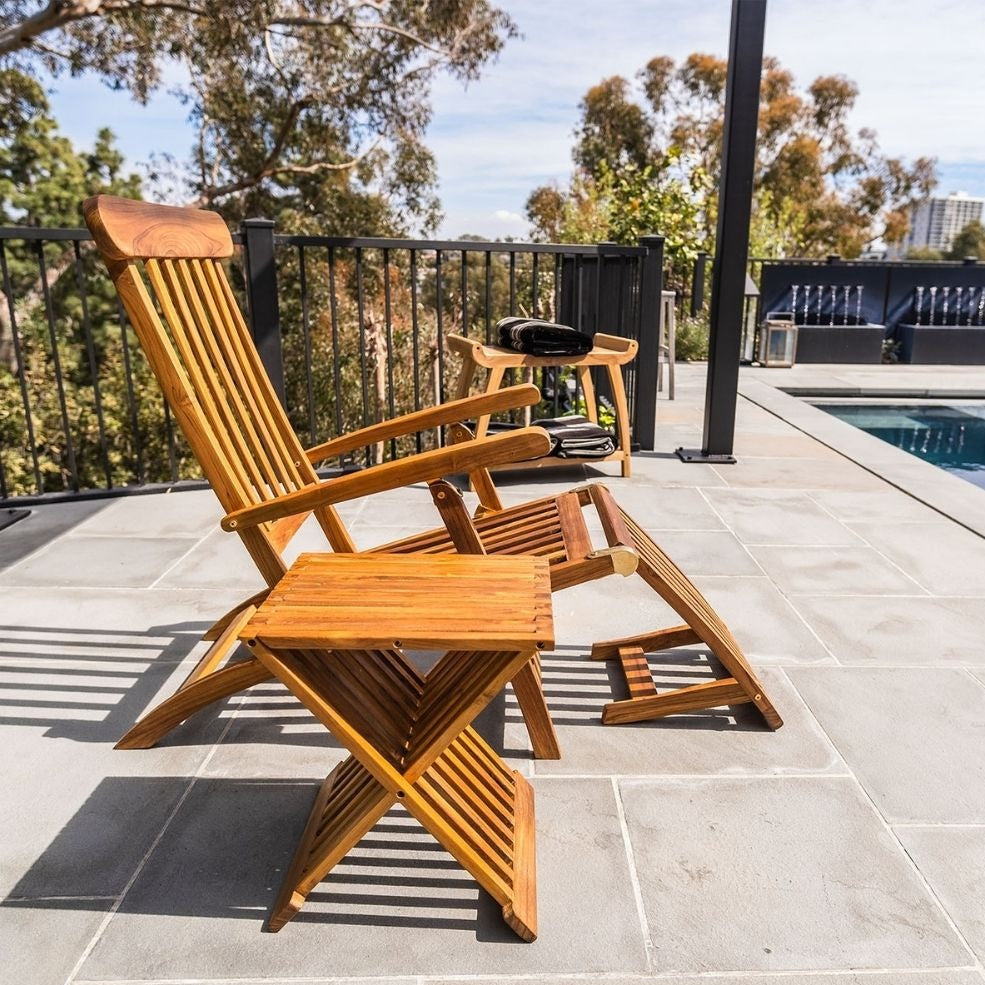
(702, 624)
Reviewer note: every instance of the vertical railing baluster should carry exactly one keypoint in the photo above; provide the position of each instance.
(57, 363)
(416, 340)
(21, 371)
(333, 306)
(512, 282)
(440, 355)
(306, 339)
(93, 367)
(138, 445)
(534, 285)
(488, 295)
(388, 327)
(465, 293)
(361, 320)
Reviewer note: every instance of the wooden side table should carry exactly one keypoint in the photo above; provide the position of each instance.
(608, 351)
(334, 630)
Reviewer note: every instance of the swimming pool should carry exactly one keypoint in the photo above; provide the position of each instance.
(951, 437)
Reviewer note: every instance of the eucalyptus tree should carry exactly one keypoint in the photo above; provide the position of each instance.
(315, 109)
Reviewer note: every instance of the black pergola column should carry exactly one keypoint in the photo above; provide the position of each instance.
(745, 65)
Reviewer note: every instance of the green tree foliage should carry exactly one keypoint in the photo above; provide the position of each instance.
(969, 242)
(310, 113)
(820, 187)
(43, 180)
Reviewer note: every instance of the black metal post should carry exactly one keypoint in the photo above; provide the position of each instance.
(728, 280)
(698, 283)
(651, 289)
(260, 272)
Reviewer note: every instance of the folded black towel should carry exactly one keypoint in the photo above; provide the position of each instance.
(542, 338)
(577, 437)
(572, 436)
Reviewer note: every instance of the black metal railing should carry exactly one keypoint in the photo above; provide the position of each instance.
(350, 331)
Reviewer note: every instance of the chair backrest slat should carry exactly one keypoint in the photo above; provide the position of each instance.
(166, 264)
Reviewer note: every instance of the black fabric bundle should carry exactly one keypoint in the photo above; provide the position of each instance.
(572, 436)
(542, 338)
(577, 437)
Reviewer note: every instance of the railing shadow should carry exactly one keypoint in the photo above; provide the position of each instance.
(92, 685)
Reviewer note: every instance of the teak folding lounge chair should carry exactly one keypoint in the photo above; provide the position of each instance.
(201, 352)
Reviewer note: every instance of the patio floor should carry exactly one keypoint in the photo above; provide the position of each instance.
(848, 847)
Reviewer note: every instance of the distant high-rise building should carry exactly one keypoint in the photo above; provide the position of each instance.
(935, 222)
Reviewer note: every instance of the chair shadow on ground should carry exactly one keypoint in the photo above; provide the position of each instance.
(225, 851)
(577, 688)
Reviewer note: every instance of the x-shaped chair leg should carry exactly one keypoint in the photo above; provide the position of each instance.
(427, 758)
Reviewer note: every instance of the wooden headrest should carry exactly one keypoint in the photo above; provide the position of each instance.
(125, 229)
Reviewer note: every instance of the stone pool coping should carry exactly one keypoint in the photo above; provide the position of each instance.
(955, 498)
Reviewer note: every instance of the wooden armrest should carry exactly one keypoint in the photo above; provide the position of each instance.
(512, 446)
(462, 345)
(451, 412)
(616, 342)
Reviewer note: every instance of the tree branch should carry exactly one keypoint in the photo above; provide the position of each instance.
(211, 194)
(57, 14)
(355, 26)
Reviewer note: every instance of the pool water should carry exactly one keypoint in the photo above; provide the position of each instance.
(950, 437)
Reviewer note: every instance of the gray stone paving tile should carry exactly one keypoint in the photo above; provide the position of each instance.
(40, 945)
(666, 469)
(219, 562)
(752, 444)
(714, 742)
(952, 860)
(83, 830)
(368, 535)
(707, 552)
(926, 631)
(874, 506)
(665, 507)
(608, 608)
(914, 738)
(111, 562)
(765, 516)
(44, 524)
(833, 571)
(187, 513)
(78, 627)
(273, 734)
(397, 906)
(945, 558)
(793, 874)
(798, 473)
(409, 507)
(762, 620)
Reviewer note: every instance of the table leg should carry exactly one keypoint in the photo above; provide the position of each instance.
(494, 382)
(622, 417)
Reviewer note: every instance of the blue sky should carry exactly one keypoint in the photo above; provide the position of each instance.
(918, 66)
